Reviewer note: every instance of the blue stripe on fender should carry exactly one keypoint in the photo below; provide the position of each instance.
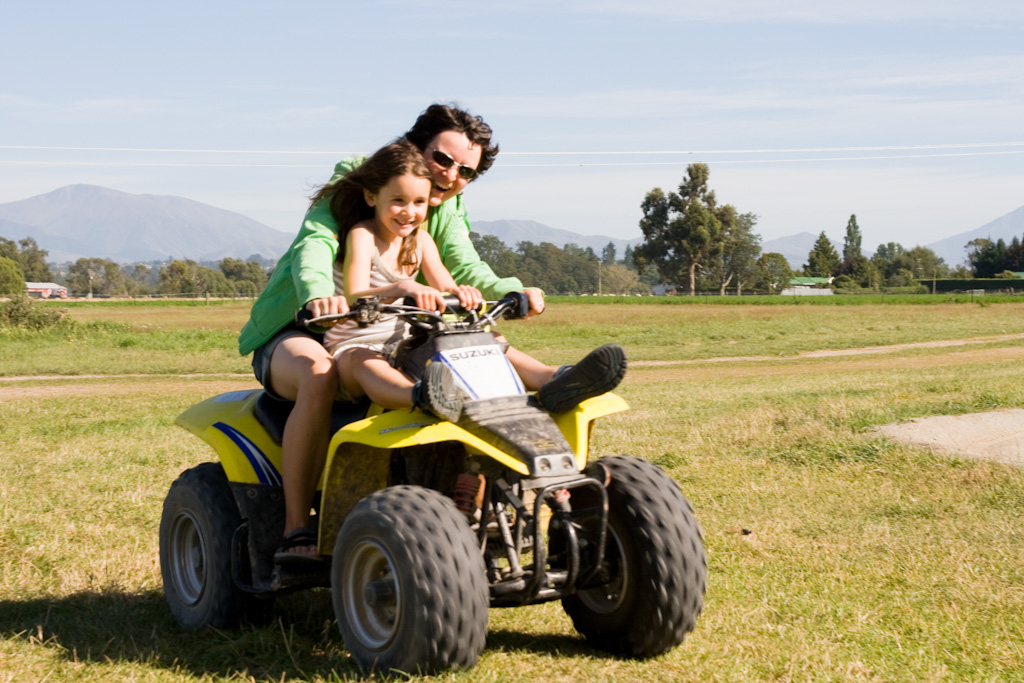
(261, 465)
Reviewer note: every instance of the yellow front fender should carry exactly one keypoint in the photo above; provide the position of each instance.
(359, 455)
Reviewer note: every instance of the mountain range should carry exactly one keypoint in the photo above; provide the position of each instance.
(96, 222)
(79, 221)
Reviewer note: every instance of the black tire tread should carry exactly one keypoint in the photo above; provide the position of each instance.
(430, 540)
(671, 563)
(204, 489)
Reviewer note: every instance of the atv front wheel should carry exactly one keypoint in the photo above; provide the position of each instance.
(654, 562)
(196, 529)
(408, 584)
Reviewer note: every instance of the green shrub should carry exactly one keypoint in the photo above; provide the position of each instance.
(12, 279)
(21, 311)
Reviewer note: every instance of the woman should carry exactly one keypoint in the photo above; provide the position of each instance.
(293, 364)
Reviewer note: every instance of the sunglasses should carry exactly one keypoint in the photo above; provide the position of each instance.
(446, 162)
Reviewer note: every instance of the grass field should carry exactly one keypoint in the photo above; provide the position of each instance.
(865, 560)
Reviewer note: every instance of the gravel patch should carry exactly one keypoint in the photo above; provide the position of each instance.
(997, 435)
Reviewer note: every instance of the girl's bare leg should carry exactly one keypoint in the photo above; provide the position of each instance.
(365, 372)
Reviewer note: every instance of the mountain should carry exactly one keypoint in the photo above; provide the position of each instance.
(512, 232)
(1003, 228)
(794, 247)
(96, 222)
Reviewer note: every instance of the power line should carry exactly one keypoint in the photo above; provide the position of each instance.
(132, 164)
(689, 153)
(797, 150)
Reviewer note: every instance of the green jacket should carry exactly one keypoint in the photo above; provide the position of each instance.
(305, 272)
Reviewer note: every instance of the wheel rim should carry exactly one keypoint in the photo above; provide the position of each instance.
(611, 596)
(188, 558)
(372, 594)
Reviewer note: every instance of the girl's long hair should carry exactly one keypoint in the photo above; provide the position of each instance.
(348, 203)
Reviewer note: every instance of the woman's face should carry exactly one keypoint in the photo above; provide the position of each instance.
(449, 182)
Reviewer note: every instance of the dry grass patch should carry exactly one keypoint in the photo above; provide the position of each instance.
(867, 560)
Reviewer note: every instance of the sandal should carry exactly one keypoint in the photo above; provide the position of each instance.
(299, 538)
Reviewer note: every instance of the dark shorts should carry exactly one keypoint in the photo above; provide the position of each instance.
(261, 356)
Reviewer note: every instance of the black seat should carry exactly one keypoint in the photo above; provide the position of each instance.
(272, 413)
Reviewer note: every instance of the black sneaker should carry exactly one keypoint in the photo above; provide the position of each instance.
(438, 394)
(599, 372)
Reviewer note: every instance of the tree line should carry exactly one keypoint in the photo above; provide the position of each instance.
(24, 261)
(691, 242)
(695, 243)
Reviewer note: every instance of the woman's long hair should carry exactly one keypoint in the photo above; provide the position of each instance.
(348, 203)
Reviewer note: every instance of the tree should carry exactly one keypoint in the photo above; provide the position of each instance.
(822, 261)
(608, 254)
(852, 242)
(29, 257)
(96, 276)
(247, 277)
(1015, 256)
(12, 279)
(138, 279)
(503, 260)
(190, 278)
(773, 272)
(986, 257)
(682, 231)
(740, 249)
(618, 279)
(33, 261)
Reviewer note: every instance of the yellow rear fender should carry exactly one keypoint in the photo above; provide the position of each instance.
(226, 422)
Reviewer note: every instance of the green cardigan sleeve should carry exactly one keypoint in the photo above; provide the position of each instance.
(448, 226)
(305, 272)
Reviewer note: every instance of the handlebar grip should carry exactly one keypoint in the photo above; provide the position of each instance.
(302, 320)
(519, 305)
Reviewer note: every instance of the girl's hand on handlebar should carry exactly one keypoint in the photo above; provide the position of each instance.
(425, 297)
(469, 297)
(331, 305)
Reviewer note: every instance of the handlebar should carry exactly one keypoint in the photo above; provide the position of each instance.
(369, 310)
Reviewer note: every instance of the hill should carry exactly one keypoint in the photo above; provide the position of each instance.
(512, 232)
(794, 247)
(1003, 228)
(96, 222)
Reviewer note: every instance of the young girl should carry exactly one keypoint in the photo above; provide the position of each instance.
(379, 207)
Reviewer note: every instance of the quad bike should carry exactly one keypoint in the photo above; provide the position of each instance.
(427, 523)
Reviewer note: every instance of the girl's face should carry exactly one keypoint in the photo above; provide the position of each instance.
(401, 205)
(449, 181)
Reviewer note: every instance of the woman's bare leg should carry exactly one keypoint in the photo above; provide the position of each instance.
(533, 373)
(301, 370)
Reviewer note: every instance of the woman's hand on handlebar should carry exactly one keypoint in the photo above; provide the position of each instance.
(536, 298)
(331, 305)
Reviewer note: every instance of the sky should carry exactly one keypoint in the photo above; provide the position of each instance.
(907, 113)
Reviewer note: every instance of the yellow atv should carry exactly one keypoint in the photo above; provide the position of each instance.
(427, 523)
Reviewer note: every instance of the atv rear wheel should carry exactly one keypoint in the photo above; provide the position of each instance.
(196, 529)
(408, 584)
(655, 563)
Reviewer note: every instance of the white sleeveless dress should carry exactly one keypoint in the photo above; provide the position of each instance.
(379, 335)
